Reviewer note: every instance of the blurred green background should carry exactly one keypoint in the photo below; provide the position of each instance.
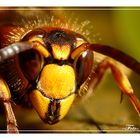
(117, 27)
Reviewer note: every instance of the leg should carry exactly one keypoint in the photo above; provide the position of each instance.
(5, 99)
(119, 77)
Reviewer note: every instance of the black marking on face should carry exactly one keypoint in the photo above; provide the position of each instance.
(52, 116)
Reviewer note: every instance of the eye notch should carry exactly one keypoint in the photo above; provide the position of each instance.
(37, 38)
(40, 46)
(78, 50)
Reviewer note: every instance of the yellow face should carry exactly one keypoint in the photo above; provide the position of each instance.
(55, 92)
(60, 81)
(53, 74)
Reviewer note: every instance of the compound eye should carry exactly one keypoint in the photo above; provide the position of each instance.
(83, 66)
(30, 63)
